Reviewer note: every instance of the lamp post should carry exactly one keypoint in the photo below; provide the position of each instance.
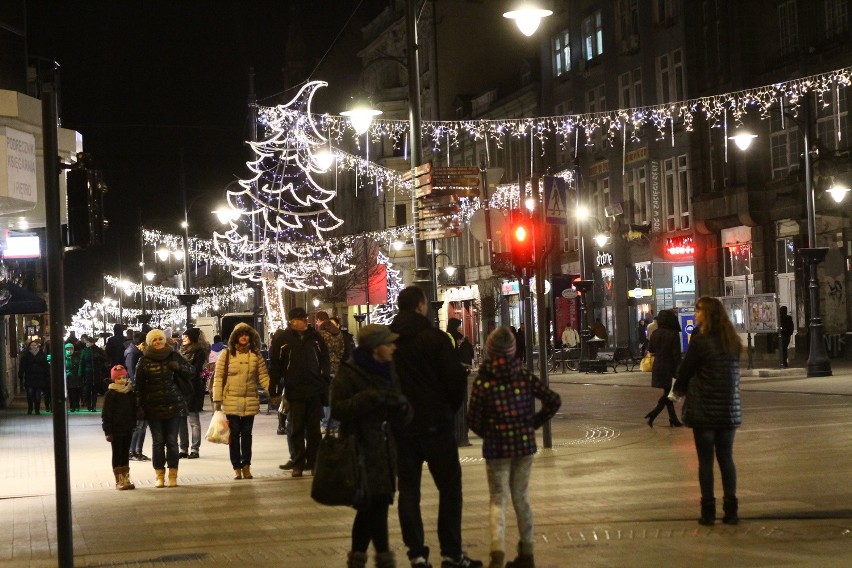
(818, 364)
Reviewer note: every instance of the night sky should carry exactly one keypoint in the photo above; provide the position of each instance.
(159, 90)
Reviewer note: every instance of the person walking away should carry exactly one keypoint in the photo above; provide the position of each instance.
(240, 370)
(642, 336)
(348, 339)
(301, 363)
(160, 401)
(73, 382)
(502, 412)
(195, 349)
(665, 346)
(91, 362)
(787, 329)
(330, 333)
(115, 346)
(367, 400)
(118, 419)
(709, 376)
(521, 343)
(435, 383)
(34, 372)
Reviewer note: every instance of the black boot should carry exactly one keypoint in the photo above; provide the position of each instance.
(282, 423)
(731, 507)
(653, 414)
(673, 421)
(708, 512)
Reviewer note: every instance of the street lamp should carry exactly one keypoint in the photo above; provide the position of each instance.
(528, 17)
(819, 364)
(448, 269)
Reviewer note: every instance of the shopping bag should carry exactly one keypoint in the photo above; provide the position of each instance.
(219, 432)
(647, 363)
(339, 475)
(672, 396)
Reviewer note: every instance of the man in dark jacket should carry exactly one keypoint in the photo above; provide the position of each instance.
(115, 346)
(299, 360)
(434, 382)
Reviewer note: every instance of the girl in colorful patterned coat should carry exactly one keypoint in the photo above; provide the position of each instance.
(502, 412)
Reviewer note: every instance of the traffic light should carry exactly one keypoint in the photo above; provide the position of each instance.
(85, 193)
(522, 236)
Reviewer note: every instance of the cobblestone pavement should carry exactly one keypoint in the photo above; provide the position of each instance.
(610, 492)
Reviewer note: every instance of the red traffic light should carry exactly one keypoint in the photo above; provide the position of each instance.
(522, 233)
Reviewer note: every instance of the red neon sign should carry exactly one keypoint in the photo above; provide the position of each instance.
(680, 246)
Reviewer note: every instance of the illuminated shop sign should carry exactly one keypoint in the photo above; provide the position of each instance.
(603, 259)
(680, 246)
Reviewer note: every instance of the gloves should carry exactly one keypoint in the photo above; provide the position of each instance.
(217, 406)
(109, 437)
(173, 365)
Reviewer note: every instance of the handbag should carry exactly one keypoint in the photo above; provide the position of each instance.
(219, 432)
(340, 472)
(646, 365)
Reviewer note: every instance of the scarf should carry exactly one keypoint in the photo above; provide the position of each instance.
(159, 354)
(365, 360)
(125, 388)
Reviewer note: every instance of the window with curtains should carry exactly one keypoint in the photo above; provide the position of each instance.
(561, 53)
(676, 193)
(637, 190)
(671, 85)
(833, 119)
(592, 36)
(630, 89)
(784, 145)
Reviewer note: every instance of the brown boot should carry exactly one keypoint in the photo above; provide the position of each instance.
(497, 559)
(238, 473)
(356, 559)
(161, 475)
(247, 472)
(125, 478)
(173, 477)
(117, 471)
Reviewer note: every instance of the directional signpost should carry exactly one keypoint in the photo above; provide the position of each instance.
(438, 191)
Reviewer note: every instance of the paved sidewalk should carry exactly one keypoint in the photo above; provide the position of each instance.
(610, 492)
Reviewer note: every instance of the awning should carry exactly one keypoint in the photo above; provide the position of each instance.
(23, 302)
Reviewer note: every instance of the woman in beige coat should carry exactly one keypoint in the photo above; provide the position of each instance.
(240, 370)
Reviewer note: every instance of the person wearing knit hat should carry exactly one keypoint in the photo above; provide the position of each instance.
(119, 420)
(366, 398)
(502, 412)
(153, 335)
(501, 344)
(162, 377)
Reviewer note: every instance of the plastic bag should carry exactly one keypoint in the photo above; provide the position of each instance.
(219, 432)
(672, 396)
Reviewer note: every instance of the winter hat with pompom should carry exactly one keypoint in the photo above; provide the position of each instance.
(117, 372)
(501, 343)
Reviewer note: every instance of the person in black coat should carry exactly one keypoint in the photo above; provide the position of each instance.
(195, 349)
(34, 372)
(161, 402)
(119, 420)
(435, 383)
(299, 360)
(367, 400)
(709, 376)
(665, 346)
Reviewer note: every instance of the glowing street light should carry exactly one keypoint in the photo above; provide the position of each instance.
(528, 17)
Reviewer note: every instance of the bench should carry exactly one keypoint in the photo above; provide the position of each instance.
(611, 360)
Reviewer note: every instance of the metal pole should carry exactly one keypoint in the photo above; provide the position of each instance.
(141, 258)
(259, 321)
(421, 270)
(53, 235)
(818, 363)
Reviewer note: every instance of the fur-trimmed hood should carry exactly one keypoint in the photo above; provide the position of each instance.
(241, 328)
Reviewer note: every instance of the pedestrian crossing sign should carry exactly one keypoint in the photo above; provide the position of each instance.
(555, 201)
